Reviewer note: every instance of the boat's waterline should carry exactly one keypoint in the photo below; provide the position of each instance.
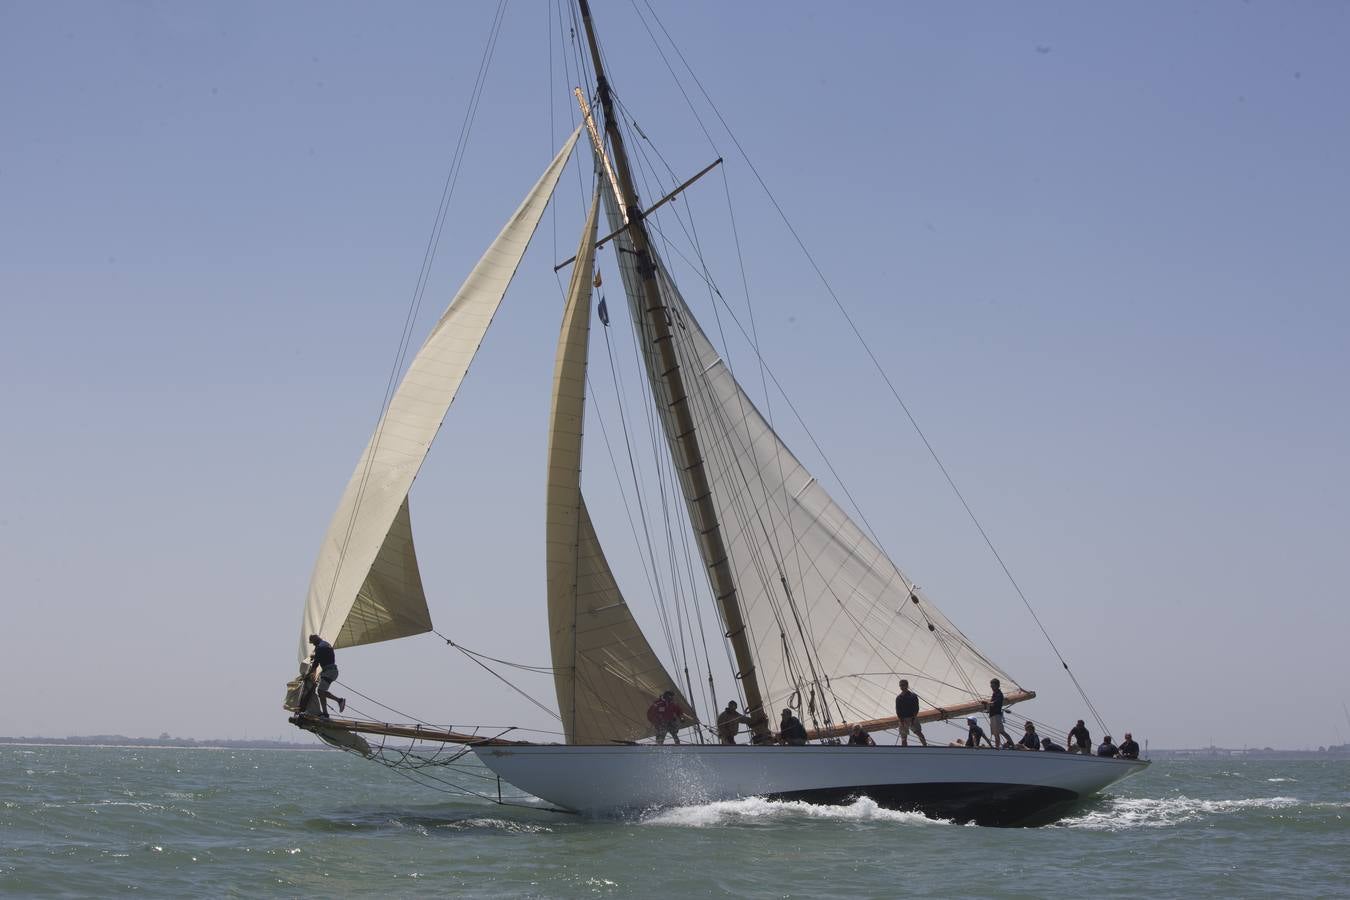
(989, 787)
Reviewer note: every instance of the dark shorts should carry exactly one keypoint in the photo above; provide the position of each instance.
(327, 675)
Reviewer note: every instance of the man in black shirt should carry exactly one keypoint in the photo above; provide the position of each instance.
(1106, 748)
(729, 722)
(1079, 739)
(975, 734)
(324, 660)
(1030, 739)
(907, 711)
(1128, 748)
(997, 735)
(791, 730)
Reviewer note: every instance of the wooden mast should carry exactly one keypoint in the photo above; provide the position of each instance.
(688, 454)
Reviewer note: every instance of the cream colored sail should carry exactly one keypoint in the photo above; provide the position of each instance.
(365, 587)
(832, 621)
(605, 672)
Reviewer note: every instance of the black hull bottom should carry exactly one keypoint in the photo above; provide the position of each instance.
(983, 804)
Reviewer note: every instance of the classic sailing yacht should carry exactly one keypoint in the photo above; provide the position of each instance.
(818, 619)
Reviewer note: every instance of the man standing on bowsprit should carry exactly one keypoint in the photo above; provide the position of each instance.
(324, 660)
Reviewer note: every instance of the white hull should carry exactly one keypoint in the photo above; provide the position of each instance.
(994, 787)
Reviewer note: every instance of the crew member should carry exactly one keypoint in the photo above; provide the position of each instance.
(791, 730)
(729, 723)
(324, 661)
(664, 714)
(907, 711)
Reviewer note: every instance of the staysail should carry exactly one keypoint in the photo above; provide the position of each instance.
(833, 622)
(365, 587)
(604, 670)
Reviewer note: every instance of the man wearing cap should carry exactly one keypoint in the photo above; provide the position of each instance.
(324, 661)
(664, 714)
(1129, 748)
(975, 734)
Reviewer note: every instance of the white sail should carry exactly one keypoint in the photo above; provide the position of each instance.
(833, 622)
(350, 600)
(604, 669)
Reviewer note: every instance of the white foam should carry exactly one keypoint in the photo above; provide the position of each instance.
(757, 810)
(497, 825)
(1143, 812)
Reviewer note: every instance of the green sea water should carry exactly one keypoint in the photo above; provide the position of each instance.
(78, 821)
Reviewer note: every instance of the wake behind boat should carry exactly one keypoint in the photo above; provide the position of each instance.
(816, 618)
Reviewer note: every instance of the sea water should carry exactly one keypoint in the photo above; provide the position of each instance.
(83, 821)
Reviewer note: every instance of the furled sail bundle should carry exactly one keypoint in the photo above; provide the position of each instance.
(604, 670)
(832, 621)
(366, 587)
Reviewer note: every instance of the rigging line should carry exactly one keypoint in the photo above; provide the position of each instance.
(499, 677)
(623, 493)
(662, 462)
(658, 597)
(688, 600)
(678, 84)
(737, 500)
(347, 685)
(626, 272)
(419, 289)
(455, 788)
(877, 364)
(641, 344)
(652, 586)
(543, 670)
(764, 384)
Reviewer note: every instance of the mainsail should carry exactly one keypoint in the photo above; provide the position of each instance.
(832, 621)
(605, 671)
(365, 587)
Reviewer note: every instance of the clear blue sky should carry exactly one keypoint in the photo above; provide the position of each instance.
(1102, 251)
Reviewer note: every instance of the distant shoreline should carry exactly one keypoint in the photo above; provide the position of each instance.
(121, 742)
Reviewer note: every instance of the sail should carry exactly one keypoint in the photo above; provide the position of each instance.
(604, 670)
(365, 587)
(833, 622)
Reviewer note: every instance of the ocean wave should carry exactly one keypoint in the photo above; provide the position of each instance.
(757, 810)
(1144, 812)
(508, 825)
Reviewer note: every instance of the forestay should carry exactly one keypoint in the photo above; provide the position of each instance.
(605, 672)
(833, 622)
(365, 587)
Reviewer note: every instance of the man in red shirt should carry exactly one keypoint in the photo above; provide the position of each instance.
(665, 715)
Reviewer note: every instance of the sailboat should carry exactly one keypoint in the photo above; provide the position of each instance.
(817, 618)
